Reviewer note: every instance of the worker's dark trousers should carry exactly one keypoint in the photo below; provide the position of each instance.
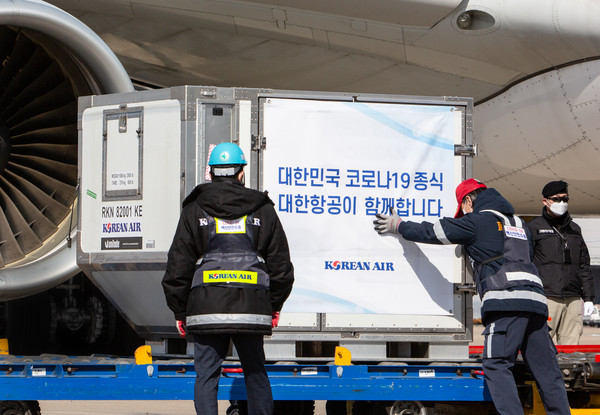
(209, 353)
(506, 334)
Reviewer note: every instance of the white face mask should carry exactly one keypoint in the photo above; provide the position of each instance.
(559, 208)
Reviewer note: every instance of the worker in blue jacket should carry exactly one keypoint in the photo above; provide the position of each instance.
(514, 309)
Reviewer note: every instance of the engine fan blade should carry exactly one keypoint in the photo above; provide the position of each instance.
(9, 248)
(38, 107)
(62, 171)
(24, 235)
(59, 95)
(38, 223)
(63, 115)
(51, 208)
(67, 153)
(63, 193)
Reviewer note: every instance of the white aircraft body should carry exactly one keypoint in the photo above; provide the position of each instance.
(531, 66)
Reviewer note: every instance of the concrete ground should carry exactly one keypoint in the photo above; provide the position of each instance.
(134, 407)
(591, 335)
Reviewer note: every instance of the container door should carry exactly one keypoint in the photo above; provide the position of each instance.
(330, 166)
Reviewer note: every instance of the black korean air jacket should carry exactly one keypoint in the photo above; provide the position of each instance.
(481, 233)
(565, 272)
(227, 308)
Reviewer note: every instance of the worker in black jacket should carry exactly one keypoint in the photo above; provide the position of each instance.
(228, 275)
(514, 307)
(563, 261)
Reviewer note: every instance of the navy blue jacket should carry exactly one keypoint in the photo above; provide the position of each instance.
(482, 236)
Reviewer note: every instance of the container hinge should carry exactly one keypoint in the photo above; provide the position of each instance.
(465, 288)
(258, 143)
(462, 150)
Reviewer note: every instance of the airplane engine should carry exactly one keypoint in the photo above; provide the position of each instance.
(47, 60)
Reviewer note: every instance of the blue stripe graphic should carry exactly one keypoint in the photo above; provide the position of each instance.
(321, 297)
(430, 139)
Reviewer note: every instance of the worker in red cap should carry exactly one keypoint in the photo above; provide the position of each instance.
(513, 305)
(463, 190)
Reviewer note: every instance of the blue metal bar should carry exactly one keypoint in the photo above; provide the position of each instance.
(44, 380)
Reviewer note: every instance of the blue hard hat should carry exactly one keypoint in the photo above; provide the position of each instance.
(227, 154)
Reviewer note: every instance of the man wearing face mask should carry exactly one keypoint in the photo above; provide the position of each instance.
(563, 261)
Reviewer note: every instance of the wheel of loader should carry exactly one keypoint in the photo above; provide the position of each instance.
(407, 408)
(19, 408)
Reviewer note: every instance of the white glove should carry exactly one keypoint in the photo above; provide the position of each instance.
(588, 308)
(387, 223)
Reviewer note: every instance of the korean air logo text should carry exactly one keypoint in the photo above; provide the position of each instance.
(358, 266)
(220, 276)
(118, 227)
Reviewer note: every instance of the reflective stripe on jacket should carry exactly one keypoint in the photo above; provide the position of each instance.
(517, 280)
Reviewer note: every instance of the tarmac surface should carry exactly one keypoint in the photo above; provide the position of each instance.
(591, 335)
(134, 407)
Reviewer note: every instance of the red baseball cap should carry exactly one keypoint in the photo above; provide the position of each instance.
(464, 189)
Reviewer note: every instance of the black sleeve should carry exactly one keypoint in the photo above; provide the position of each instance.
(274, 248)
(585, 272)
(532, 241)
(181, 263)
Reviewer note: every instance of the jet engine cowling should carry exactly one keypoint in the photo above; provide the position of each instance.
(48, 59)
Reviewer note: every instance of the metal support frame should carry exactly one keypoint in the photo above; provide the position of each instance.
(122, 379)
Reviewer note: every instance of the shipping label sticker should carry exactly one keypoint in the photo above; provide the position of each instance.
(38, 371)
(515, 232)
(308, 371)
(231, 226)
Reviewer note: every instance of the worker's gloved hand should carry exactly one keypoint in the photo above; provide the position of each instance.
(274, 319)
(588, 308)
(387, 223)
(181, 328)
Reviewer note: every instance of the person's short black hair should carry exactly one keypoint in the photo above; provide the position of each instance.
(474, 193)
